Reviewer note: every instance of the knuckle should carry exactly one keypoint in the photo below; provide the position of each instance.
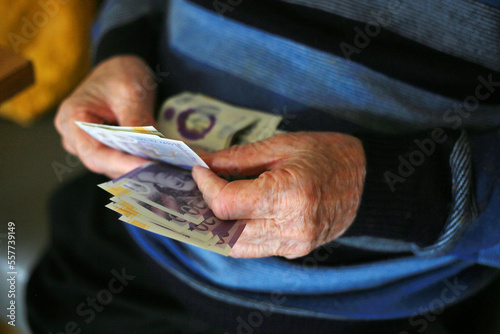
(92, 164)
(230, 159)
(233, 153)
(65, 105)
(133, 120)
(275, 248)
(71, 110)
(303, 231)
(310, 234)
(294, 249)
(293, 233)
(274, 183)
(67, 146)
(248, 149)
(220, 208)
(58, 123)
(61, 115)
(309, 194)
(279, 230)
(132, 90)
(233, 150)
(299, 250)
(304, 249)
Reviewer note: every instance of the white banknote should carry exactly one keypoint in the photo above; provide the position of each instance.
(144, 142)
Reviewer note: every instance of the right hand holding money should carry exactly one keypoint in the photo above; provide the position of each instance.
(307, 193)
(118, 91)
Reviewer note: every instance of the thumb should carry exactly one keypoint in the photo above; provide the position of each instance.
(237, 199)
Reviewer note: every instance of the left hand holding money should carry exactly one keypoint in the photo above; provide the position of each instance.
(307, 192)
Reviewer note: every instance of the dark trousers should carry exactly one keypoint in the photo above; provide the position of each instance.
(93, 278)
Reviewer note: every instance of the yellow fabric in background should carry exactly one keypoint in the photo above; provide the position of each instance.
(55, 36)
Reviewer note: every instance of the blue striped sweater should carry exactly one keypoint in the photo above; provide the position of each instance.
(403, 76)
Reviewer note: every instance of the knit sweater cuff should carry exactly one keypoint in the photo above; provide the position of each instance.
(407, 192)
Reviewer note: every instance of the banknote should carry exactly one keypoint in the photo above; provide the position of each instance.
(227, 231)
(144, 142)
(134, 129)
(164, 199)
(222, 234)
(203, 236)
(203, 122)
(202, 231)
(279, 132)
(152, 226)
(218, 245)
(229, 238)
(265, 127)
(223, 239)
(165, 188)
(167, 194)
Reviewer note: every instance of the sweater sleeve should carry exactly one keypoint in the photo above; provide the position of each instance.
(418, 193)
(128, 27)
(481, 242)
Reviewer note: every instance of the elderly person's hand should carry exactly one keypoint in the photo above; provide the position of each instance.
(121, 90)
(307, 192)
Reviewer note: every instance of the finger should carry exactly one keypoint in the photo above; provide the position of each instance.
(98, 157)
(105, 160)
(245, 251)
(249, 159)
(257, 229)
(252, 250)
(71, 133)
(272, 247)
(84, 110)
(241, 199)
(67, 146)
(136, 117)
(134, 105)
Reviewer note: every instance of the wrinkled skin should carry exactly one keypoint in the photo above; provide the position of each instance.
(121, 90)
(309, 184)
(307, 192)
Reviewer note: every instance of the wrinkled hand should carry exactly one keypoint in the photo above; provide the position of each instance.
(119, 91)
(307, 192)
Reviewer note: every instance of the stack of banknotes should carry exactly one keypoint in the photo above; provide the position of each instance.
(203, 122)
(161, 196)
